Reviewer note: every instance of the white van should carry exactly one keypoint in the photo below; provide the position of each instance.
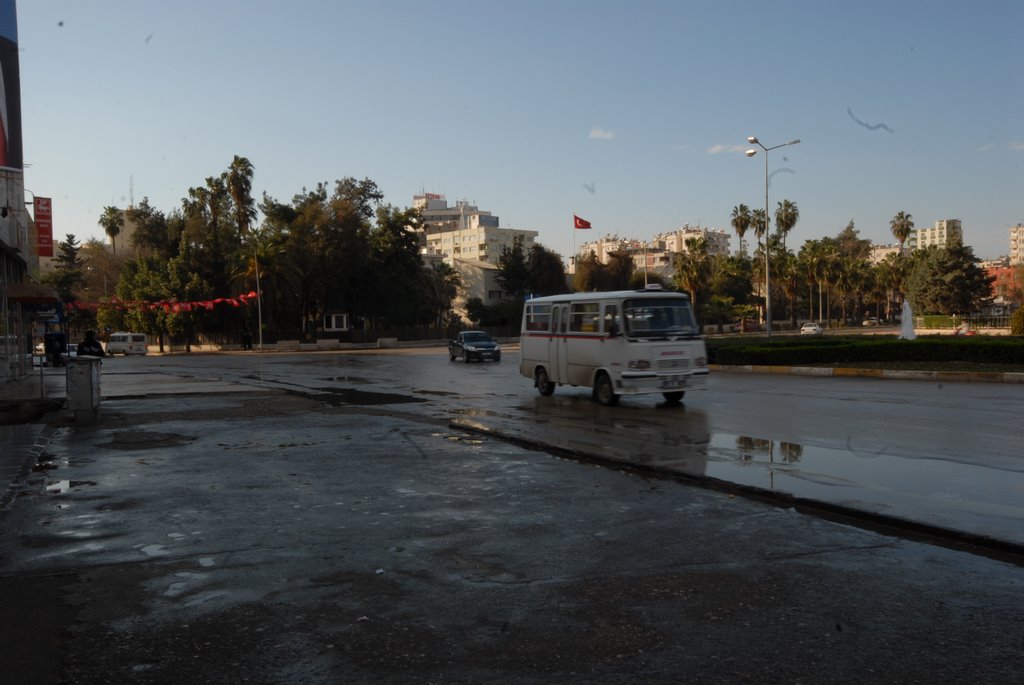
(127, 343)
(628, 342)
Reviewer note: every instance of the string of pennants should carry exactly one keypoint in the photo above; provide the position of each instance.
(172, 306)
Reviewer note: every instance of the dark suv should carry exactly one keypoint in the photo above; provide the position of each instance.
(474, 345)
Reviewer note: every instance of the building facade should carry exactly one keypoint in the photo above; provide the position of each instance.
(1017, 244)
(941, 234)
(463, 231)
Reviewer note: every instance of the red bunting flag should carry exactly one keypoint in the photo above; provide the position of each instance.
(579, 223)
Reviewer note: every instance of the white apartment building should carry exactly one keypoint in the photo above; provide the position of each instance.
(1017, 245)
(944, 231)
(880, 252)
(464, 231)
(659, 249)
(675, 241)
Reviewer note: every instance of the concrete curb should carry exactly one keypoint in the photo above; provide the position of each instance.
(846, 372)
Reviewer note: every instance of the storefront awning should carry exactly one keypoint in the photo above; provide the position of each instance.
(31, 293)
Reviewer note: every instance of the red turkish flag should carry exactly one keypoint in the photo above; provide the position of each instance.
(579, 223)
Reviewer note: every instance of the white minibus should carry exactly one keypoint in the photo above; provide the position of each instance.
(127, 343)
(628, 342)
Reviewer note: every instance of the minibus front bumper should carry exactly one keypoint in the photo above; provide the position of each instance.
(641, 383)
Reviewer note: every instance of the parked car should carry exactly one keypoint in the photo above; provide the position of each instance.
(811, 328)
(472, 345)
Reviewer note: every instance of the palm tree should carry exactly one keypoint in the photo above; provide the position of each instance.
(902, 224)
(759, 220)
(239, 182)
(740, 220)
(692, 268)
(786, 216)
(112, 221)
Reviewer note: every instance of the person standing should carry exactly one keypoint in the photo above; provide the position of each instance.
(90, 346)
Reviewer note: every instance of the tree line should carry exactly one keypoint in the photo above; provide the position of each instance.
(338, 248)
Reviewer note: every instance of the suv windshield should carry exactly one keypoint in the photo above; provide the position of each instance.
(651, 318)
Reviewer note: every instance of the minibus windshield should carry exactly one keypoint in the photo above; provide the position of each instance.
(651, 318)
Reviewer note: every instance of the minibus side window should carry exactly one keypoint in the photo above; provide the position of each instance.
(611, 320)
(538, 317)
(586, 317)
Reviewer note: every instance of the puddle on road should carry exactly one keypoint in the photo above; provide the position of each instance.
(339, 397)
(133, 440)
(937, 492)
(985, 500)
(346, 379)
(62, 486)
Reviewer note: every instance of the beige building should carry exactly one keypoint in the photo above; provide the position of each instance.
(675, 241)
(880, 252)
(469, 240)
(941, 234)
(463, 231)
(1017, 245)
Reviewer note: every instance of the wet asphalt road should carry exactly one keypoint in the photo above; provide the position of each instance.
(944, 455)
(317, 519)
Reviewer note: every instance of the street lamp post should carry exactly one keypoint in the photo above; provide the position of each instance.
(767, 265)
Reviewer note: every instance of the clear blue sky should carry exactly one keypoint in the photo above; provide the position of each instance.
(633, 115)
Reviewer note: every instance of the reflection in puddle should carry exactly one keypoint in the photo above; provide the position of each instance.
(936, 492)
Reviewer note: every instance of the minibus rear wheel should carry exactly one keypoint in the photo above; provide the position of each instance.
(544, 385)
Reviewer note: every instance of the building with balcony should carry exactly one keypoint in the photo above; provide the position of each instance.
(880, 252)
(944, 232)
(1017, 244)
(463, 231)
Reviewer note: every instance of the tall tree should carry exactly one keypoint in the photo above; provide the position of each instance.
(396, 260)
(239, 184)
(693, 269)
(546, 272)
(112, 222)
(619, 269)
(442, 286)
(590, 274)
(759, 221)
(786, 216)
(152, 235)
(902, 225)
(740, 220)
(513, 271)
(66, 277)
(947, 280)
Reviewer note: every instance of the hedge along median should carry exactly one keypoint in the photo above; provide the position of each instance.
(797, 351)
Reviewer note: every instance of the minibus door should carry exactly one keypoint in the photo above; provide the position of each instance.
(558, 356)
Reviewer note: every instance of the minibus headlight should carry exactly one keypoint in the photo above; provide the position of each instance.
(700, 362)
(639, 364)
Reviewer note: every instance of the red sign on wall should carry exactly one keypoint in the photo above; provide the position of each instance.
(44, 226)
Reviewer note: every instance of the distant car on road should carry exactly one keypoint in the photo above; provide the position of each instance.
(811, 328)
(472, 345)
(870, 321)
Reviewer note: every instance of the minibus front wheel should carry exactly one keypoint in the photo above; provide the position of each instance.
(604, 392)
(544, 385)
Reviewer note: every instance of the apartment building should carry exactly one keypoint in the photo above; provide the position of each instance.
(1017, 245)
(464, 231)
(941, 234)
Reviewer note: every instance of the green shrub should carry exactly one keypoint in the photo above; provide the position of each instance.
(1017, 322)
(794, 351)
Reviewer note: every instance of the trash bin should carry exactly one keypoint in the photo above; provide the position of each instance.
(83, 378)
